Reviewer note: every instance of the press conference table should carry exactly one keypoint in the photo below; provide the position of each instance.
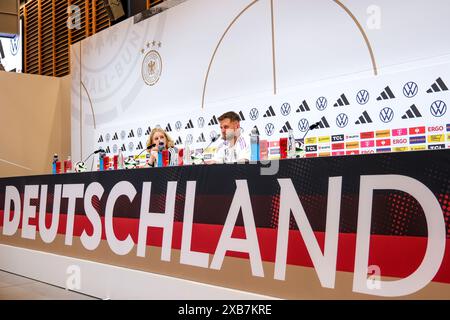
(257, 228)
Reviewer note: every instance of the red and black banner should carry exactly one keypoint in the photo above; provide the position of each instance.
(393, 207)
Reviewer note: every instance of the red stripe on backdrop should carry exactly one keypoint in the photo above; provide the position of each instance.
(397, 256)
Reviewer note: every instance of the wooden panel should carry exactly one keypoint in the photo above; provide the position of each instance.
(47, 36)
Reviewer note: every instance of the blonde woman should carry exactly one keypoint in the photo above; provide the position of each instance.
(159, 138)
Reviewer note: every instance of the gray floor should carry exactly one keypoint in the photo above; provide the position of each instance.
(14, 287)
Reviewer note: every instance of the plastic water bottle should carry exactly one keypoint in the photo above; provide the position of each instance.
(54, 162)
(120, 160)
(291, 144)
(68, 165)
(187, 160)
(254, 144)
(101, 157)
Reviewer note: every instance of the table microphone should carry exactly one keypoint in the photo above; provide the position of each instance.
(311, 127)
(213, 139)
(148, 148)
(80, 166)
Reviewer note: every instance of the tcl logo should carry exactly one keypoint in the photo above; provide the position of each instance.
(436, 128)
(400, 141)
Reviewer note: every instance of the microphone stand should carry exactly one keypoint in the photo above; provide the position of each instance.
(212, 141)
(311, 127)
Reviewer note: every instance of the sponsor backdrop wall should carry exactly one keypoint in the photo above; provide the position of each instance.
(376, 77)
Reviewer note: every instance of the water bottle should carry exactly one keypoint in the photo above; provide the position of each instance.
(187, 160)
(254, 144)
(120, 160)
(101, 157)
(291, 144)
(54, 162)
(68, 165)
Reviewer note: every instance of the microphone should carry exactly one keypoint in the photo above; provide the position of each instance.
(145, 149)
(314, 126)
(311, 127)
(95, 152)
(80, 166)
(213, 139)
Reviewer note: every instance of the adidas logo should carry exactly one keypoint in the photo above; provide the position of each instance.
(131, 134)
(213, 121)
(269, 113)
(303, 107)
(323, 123)
(241, 115)
(342, 101)
(115, 137)
(139, 146)
(179, 141)
(100, 139)
(438, 86)
(364, 118)
(108, 150)
(148, 131)
(168, 128)
(201, 138)
(286, 127)
(386, 94)
(189, 125)
(123, 148)
(412, 113)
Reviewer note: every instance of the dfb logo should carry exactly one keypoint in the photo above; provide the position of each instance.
(410, 89)
(362, 97)
(342, 120)
(285, 109)
(321, 103)
(386, 115)
(201, 122)
(254, 113)
(270, 129)
(438, 108)
(178, 125)
(189, 139)
(303, 125)
(139, 132)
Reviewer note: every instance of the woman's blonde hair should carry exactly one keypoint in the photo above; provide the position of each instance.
(169, 141)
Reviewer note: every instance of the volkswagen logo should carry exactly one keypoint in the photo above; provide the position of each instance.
(285, 109)
(123, 134)
(139, 132)
(178, 125)
(14, 48)
(131, 146)
(410, 89)
(386, 115)
(438, 108)
(189, 139)
(107, 137)
(201, 122)
(362, 97)
(303, 125)
(321, 103)
(115, 148)
(270, 129)
(254, 113)
(342, 120)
